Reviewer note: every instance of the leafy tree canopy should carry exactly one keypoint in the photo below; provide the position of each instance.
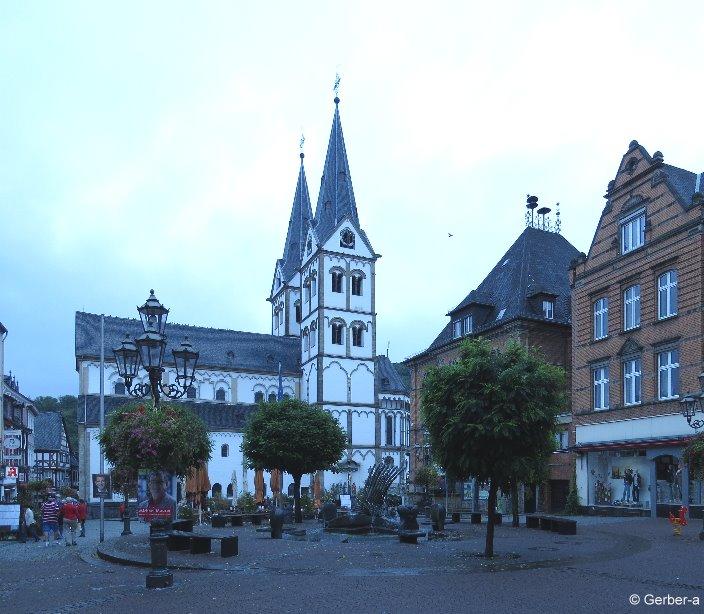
(168, 438)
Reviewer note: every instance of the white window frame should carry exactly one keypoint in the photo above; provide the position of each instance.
(631, 307)
(600, 387)
(632, 381)
(468, 324)
(669, 374)
(632, 232)
(456, 329)
(313, 285)
(548, 309)
(601, 318)
(667, 294)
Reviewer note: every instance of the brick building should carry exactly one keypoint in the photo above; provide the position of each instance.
(637, 339)
(526, 296)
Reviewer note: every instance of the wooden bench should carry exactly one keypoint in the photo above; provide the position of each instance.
(256, 518)
(201, 543)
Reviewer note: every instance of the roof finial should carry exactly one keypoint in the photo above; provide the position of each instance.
(300, 145)
(558, 222)
(336, 88)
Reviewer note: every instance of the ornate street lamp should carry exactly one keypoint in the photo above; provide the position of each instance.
(148, 349)
(691, 405)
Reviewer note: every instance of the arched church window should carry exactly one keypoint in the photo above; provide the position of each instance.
(313, 284)
(336, 278)
(287, 395)
(357, 335)
(120, 388)
(337, 333)
(306, 292)
(281, 315)
(220, 394)
(224, 450)
(306, 340)
(357, 285)
(298, 312)
(191, 392)
(389, 430)
(258, 397)
(313, 334)
(217, 490)
(272, 397)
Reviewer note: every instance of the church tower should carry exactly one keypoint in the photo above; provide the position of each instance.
(285, 297)
(338, 324)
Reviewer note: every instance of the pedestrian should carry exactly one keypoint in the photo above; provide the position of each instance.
(60, 519)
(82, 515)
(70, 509)
(30, 523)
(50, 518)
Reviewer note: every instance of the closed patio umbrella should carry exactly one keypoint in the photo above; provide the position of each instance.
(275, 483)
(197, 483)
(233, 481)
(317, 490)
(259, 486)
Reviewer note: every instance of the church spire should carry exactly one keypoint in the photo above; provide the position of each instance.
(336, 197)
(301, 214)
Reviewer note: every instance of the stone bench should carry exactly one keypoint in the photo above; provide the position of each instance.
(476, 518)
(201, 543)
(410, 536)
(556, 524)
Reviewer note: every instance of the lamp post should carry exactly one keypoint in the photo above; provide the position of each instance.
(691, 405)
(147, 351)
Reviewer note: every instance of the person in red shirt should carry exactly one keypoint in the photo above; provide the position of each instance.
(71, 513)
(82, 515)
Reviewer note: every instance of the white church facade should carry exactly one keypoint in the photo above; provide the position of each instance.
(323, 334)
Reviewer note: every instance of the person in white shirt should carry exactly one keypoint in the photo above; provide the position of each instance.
(30, 524)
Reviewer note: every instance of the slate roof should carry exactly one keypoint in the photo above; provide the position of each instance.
(537, 262)
(216, 416)
(301, 215)
(684, 182)
(48, 428)
(336, 197)
(219, 348)
(387, 377)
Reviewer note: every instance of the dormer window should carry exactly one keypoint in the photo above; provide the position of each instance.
(347, 239)
(548, 309)
(457, 329)
(468, 325)
(633, 232)
(501, 314)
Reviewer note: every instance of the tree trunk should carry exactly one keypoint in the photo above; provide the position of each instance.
(514, 504)
(297, 497)
(475, 496)
(491, 504)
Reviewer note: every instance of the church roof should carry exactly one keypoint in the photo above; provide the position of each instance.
(215, 416)
(301, 214)
(537, 263)
(388, 379)
(219, 348)
(48, 428)
(336, 197)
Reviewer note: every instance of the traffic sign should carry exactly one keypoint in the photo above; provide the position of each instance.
(11, 472)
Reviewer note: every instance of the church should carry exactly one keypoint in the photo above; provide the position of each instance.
(322, 342)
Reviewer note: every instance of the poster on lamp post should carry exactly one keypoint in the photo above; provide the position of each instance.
(102, 486)
(155, 496)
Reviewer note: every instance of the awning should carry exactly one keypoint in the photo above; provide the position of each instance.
(633, 444)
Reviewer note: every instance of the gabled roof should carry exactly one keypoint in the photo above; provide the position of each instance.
(683, 182)
(387, 377)
(215, 416)
(336, 197)
(301, 214)
(537, 262)
(219, 348)
(48, 428)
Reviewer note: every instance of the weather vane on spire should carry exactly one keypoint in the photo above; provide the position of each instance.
(336, 87)
(301, 142)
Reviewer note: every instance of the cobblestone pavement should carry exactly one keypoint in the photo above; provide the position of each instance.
(618, 559)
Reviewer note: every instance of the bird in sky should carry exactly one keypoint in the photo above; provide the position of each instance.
(449, 234)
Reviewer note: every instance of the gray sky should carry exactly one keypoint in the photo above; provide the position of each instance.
(156, 145)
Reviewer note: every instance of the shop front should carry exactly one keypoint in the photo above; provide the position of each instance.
(638, 477)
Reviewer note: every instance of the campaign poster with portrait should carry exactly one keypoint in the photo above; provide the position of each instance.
(156, 495)
(102, 486)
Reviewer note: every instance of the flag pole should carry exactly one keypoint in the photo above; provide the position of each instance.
(102, 420)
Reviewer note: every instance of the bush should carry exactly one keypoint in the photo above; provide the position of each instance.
(67, 491)
(307, 507)
(218, 504)
(573, 504)
(186, 512)
(332, 494)
(245, 502)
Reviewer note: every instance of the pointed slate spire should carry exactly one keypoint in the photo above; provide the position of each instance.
(336, 197)
(301, 215)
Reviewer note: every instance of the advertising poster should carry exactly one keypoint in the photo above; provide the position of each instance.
(156, 495)
(102, 487)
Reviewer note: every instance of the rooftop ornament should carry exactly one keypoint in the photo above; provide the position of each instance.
(147, 351)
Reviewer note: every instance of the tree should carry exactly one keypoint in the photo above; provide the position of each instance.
(169, 438)
(294, 437)
(573, 502)
(492, 415)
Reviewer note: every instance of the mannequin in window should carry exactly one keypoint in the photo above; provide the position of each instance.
(636, 487)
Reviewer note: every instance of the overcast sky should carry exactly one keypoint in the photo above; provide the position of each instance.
(155, 145)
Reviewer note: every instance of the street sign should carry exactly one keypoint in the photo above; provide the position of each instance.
(11, 472)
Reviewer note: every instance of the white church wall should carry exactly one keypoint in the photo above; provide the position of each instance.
(334, 381)
(359, 249)
(333, 299)
(362, 384)
(363, 427)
